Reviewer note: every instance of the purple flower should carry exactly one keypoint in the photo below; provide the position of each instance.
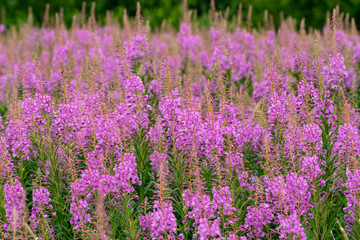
(290, 226)
(14, 204)
(40, 210)
(160, 221)
(256, 219)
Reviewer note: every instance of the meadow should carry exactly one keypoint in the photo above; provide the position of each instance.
(229, 131)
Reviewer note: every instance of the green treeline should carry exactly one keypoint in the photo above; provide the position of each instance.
(314, 11)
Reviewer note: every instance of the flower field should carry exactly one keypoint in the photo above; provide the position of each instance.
(227, 131)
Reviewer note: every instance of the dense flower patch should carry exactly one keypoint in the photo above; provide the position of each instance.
(222, 133)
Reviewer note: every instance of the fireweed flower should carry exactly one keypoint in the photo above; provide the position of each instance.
(136, 102)
(356, 57)
(30, 74)
(310, 167)
(257, 218)
(156, 158)
(289, 194)
(242, 61)
(80, 215)
(308, 139)
(14, 204)
(47, 37)
(220, 55)
(160, 222)
(348, 143)
(203, 212)
(207, 229)
(6, 163)
(42, 211)
(222, 200)
(278, 113)
(138, 51)
(336, 73)
(273, 83)
(116, 185)
(188, 42)
(37, 111)
(155, 88)
(17, 134)
(352, 196)
(290, 227)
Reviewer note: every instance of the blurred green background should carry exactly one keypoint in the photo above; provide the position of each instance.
(156, 10)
